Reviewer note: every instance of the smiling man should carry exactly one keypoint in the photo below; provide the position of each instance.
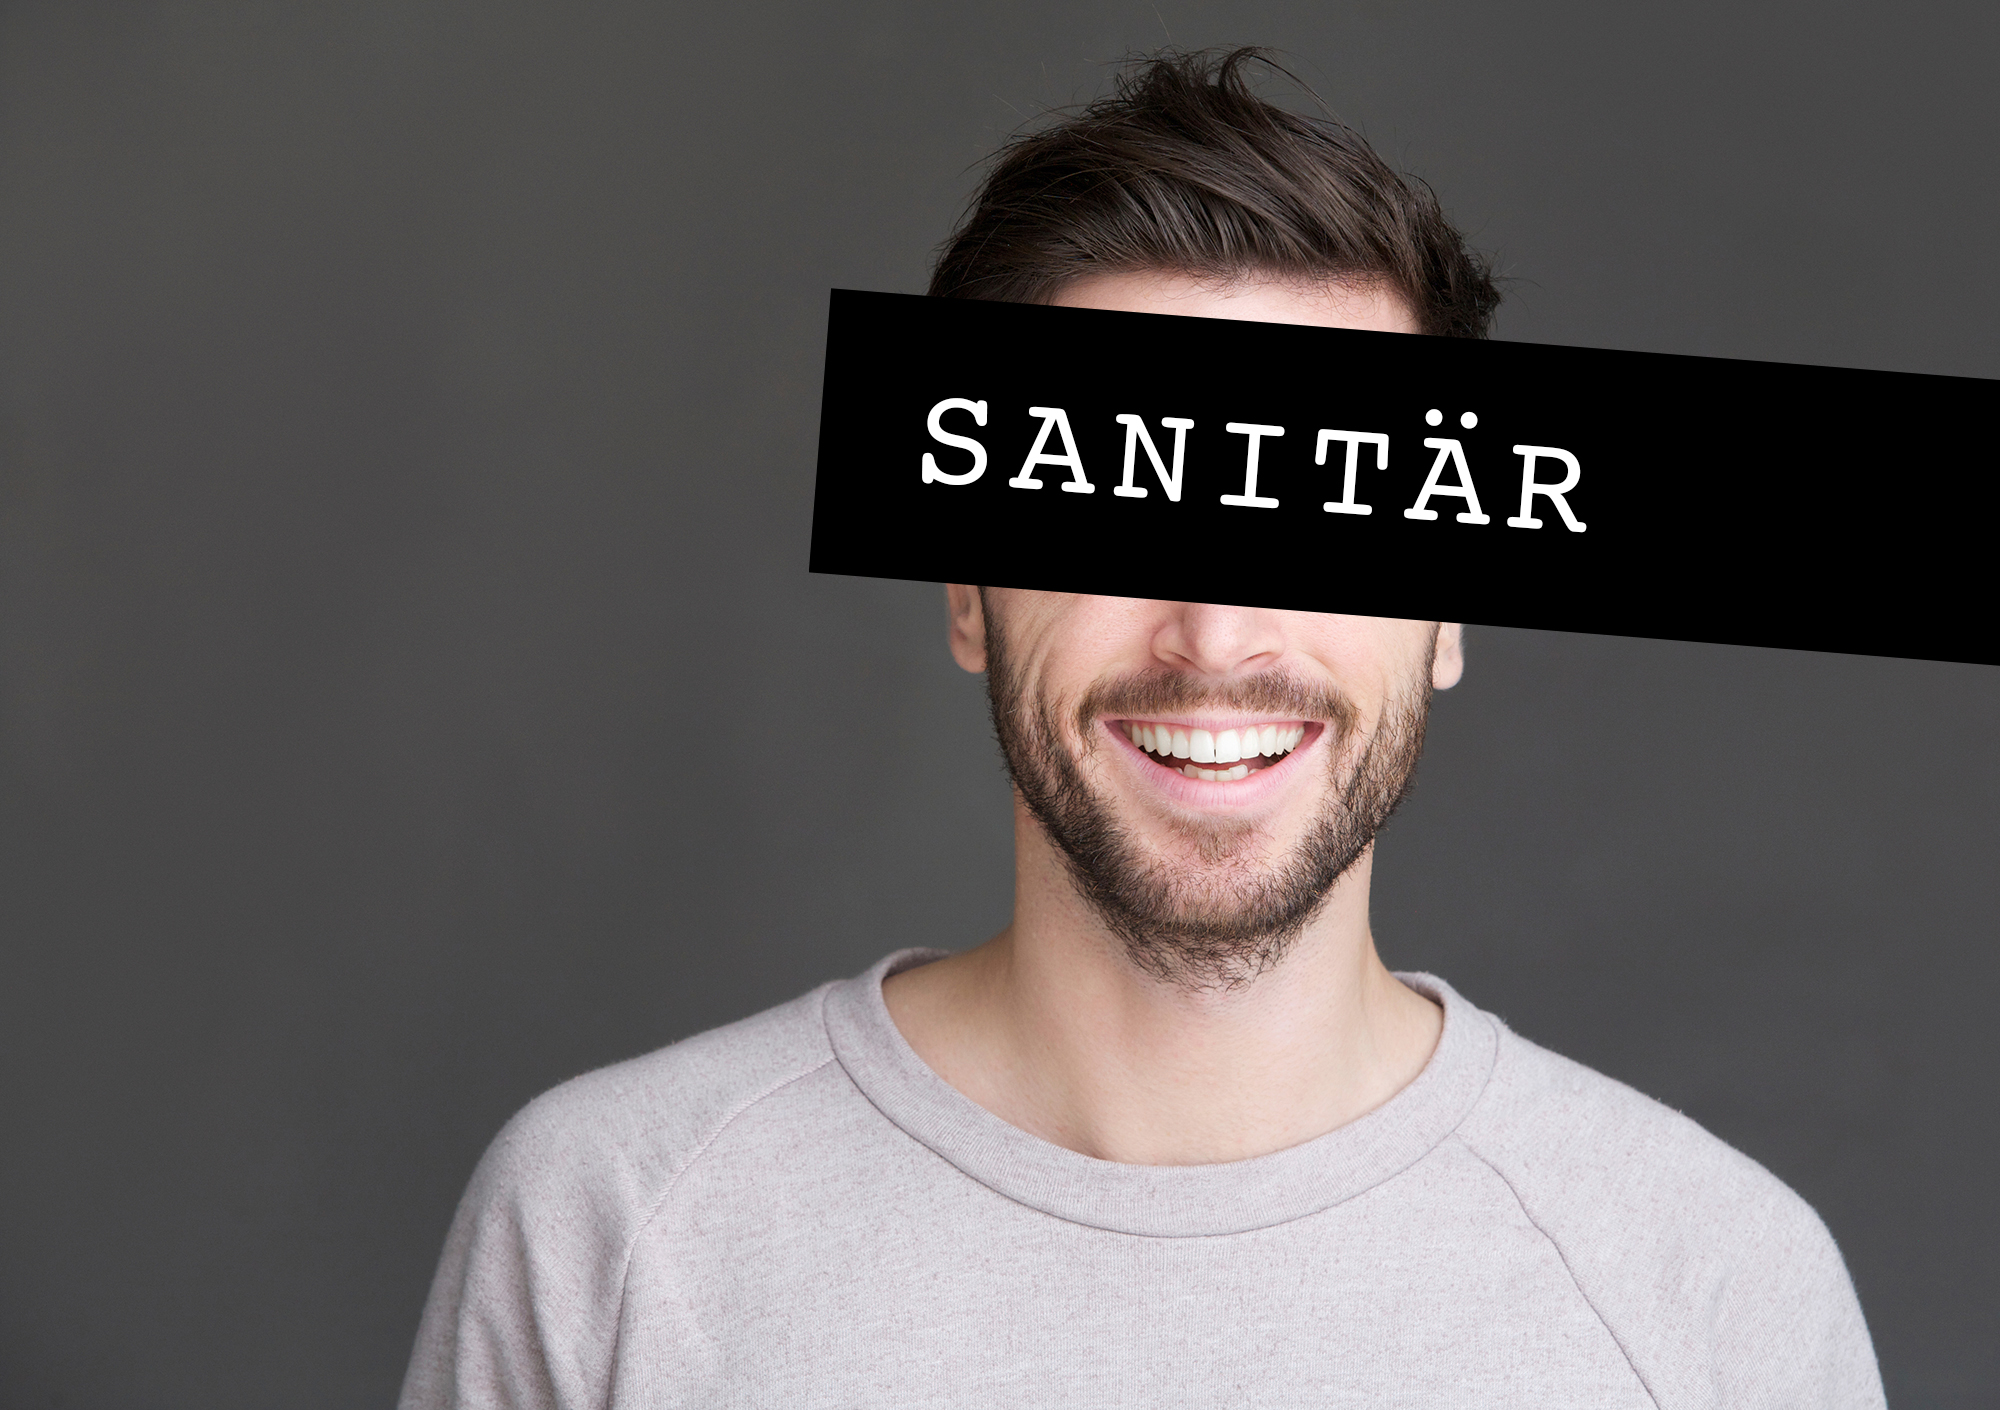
(1175, 1136)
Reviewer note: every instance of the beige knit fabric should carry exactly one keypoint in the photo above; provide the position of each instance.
(795, 1211)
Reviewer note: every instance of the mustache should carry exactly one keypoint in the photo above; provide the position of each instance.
(1162, 692)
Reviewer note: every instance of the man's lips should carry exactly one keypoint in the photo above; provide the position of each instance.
(1223, 754)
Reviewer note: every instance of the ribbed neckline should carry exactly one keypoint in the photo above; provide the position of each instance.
(1162, 1201)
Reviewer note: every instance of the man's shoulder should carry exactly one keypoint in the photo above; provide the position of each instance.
(1571, 1132)
(525, 1303)
(612, 1140)
(1678, 1240)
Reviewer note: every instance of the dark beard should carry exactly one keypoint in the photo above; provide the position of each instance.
(1242, 913)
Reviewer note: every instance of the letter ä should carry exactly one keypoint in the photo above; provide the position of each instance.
(1449, 452)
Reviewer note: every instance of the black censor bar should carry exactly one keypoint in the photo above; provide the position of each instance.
(1393, 475)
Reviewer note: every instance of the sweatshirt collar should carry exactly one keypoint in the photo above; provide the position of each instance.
(1162, 1201)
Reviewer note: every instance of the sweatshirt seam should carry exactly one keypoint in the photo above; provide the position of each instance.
(658, 1202)
(1630, 1361)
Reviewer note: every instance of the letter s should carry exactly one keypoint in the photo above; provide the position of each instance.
(944, 437)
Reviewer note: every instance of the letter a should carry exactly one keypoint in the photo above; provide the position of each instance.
(1054, 418)
(1450, 452)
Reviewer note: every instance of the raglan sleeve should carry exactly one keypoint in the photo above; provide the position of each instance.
(523, 1311)
(1787, 1328)
(1722, 1287)
(530, 1301)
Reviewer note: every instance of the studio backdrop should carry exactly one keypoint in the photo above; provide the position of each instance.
(413, 692)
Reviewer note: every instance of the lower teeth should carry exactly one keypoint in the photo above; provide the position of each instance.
(1217, 775)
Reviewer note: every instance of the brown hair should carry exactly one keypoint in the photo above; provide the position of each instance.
(1185, 169)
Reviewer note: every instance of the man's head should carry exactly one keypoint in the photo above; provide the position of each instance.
(1208, 774)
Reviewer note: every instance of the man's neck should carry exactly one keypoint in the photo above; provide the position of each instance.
(1051, 1026)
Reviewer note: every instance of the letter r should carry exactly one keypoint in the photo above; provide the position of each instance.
(1529, 489)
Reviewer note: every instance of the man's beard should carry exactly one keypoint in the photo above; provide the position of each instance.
(1235, 912)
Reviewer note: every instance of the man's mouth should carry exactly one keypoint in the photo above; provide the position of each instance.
(1214, 756)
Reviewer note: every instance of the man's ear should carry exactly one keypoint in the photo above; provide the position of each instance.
(1448, 663)
(968, 625)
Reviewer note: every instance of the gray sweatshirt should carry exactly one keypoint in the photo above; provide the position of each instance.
(795, 1211)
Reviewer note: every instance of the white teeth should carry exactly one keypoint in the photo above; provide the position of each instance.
(1215, 747)
(1217, 775)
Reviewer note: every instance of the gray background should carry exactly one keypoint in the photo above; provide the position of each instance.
(412, 695)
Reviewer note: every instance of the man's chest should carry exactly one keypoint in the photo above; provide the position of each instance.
(1440, 1294)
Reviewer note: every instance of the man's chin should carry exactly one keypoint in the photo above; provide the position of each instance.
(1179, 911)
(1214, 854)
(1208, 947)
(1198, 900)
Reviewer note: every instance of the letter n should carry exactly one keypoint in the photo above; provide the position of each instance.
(1136, 435)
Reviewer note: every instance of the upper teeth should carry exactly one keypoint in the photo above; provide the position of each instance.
(1223, 747)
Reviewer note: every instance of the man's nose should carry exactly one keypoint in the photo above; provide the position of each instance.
(1219, 641)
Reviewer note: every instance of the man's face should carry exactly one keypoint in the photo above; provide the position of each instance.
(1207, 773)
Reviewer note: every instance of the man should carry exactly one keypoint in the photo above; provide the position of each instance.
(1175, 1136)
